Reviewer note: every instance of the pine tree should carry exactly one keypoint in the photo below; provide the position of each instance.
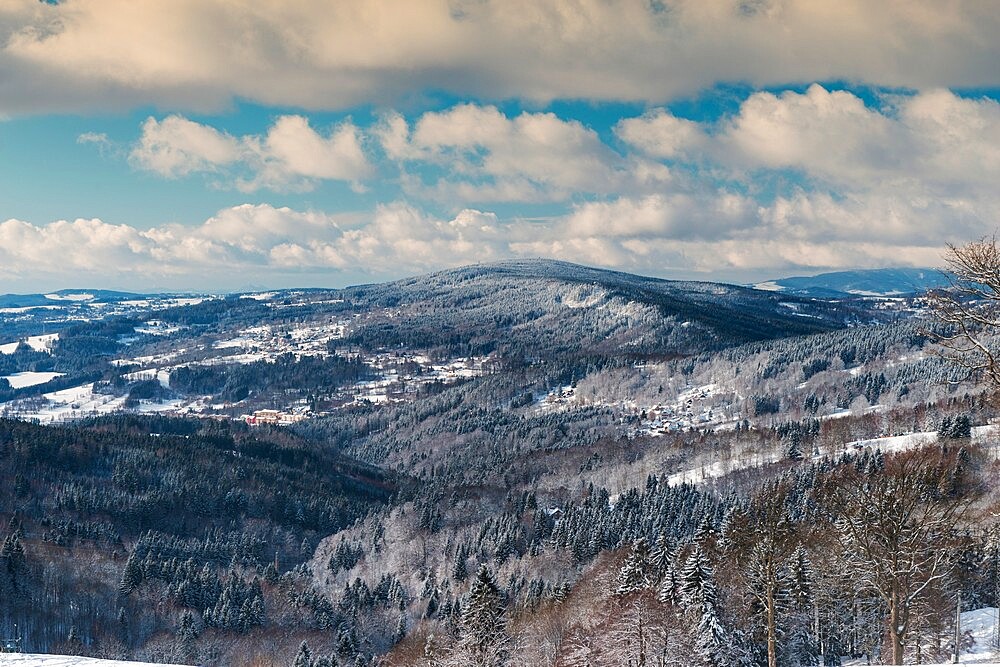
(634, 574)
(800, 646)
(483, 627)
(187, 636)
(132, 576)
(661, 559)
(459, 571)
(732, 522)
(400, 628)
(697, 585)
(12, 551)
(304, 656)
(698, 593)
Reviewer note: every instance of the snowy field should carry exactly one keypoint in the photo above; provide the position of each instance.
(41, 343)
(32, 660)
(77, 403)
(29, 378)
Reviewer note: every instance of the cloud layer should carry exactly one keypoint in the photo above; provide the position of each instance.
(201, 54)
(793, 181)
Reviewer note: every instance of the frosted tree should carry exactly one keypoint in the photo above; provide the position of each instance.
(484, 639)
(970, 309)
(304, 656)
(661, 559)
(898, 529)
(767, 575)
(800, 647)
(187, 636)
(132, 575)
(698, 594)
(634, 574)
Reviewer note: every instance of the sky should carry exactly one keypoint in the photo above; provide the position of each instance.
(234, 144)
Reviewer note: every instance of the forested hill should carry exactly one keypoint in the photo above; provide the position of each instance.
(102, 522)
(546, 306)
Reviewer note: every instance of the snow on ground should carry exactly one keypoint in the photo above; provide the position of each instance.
(78, 403)
(78, 296)
(42, 343)
(979, 627)
(30, 378)
(38, 660)
(901, 443)
(157, 328)
(72, 403)
(260, 296)
(26, 309)
(981, 624)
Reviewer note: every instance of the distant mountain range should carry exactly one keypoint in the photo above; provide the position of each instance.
(871, 282)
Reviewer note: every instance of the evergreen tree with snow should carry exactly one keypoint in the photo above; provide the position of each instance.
(698, 594)
(304, 656)
(799, 646)
(634, 574)
(661, 559)
(132, 576)
(483, 627)
(187, 636)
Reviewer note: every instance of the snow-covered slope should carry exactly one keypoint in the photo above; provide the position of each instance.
(34, 660)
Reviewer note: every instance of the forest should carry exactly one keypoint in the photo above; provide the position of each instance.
(645, 473)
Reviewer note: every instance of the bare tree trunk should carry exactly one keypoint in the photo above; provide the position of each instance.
(772, 639)
(895, 631)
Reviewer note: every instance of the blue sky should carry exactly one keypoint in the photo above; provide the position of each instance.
(215, 146)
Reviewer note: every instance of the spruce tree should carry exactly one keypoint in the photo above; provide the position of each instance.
(698, 593)
(661, 559)
(304, 656)
(187, 636)
(132, 576)
(634, 574)
(483, 627)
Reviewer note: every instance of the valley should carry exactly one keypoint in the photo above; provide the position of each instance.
(195, 478)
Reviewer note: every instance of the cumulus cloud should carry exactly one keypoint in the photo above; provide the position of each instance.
(291, 156)
(177, 146)
(490, 157)
(259, 240)
(661, 134)
(934, 138)
(315, 54)
(845, 184)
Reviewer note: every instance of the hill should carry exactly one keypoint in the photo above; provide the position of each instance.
(872, 282)
(544, 306)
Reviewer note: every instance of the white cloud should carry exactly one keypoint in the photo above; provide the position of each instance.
(291, 156)
(933, 141)
(177, 146)
(661, 134)
(788, 182)
(293, 150)
(316, 54)
(490, 157)
(258, 242)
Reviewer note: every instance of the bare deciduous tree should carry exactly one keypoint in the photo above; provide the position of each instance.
(970, 309)
(898, 529)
